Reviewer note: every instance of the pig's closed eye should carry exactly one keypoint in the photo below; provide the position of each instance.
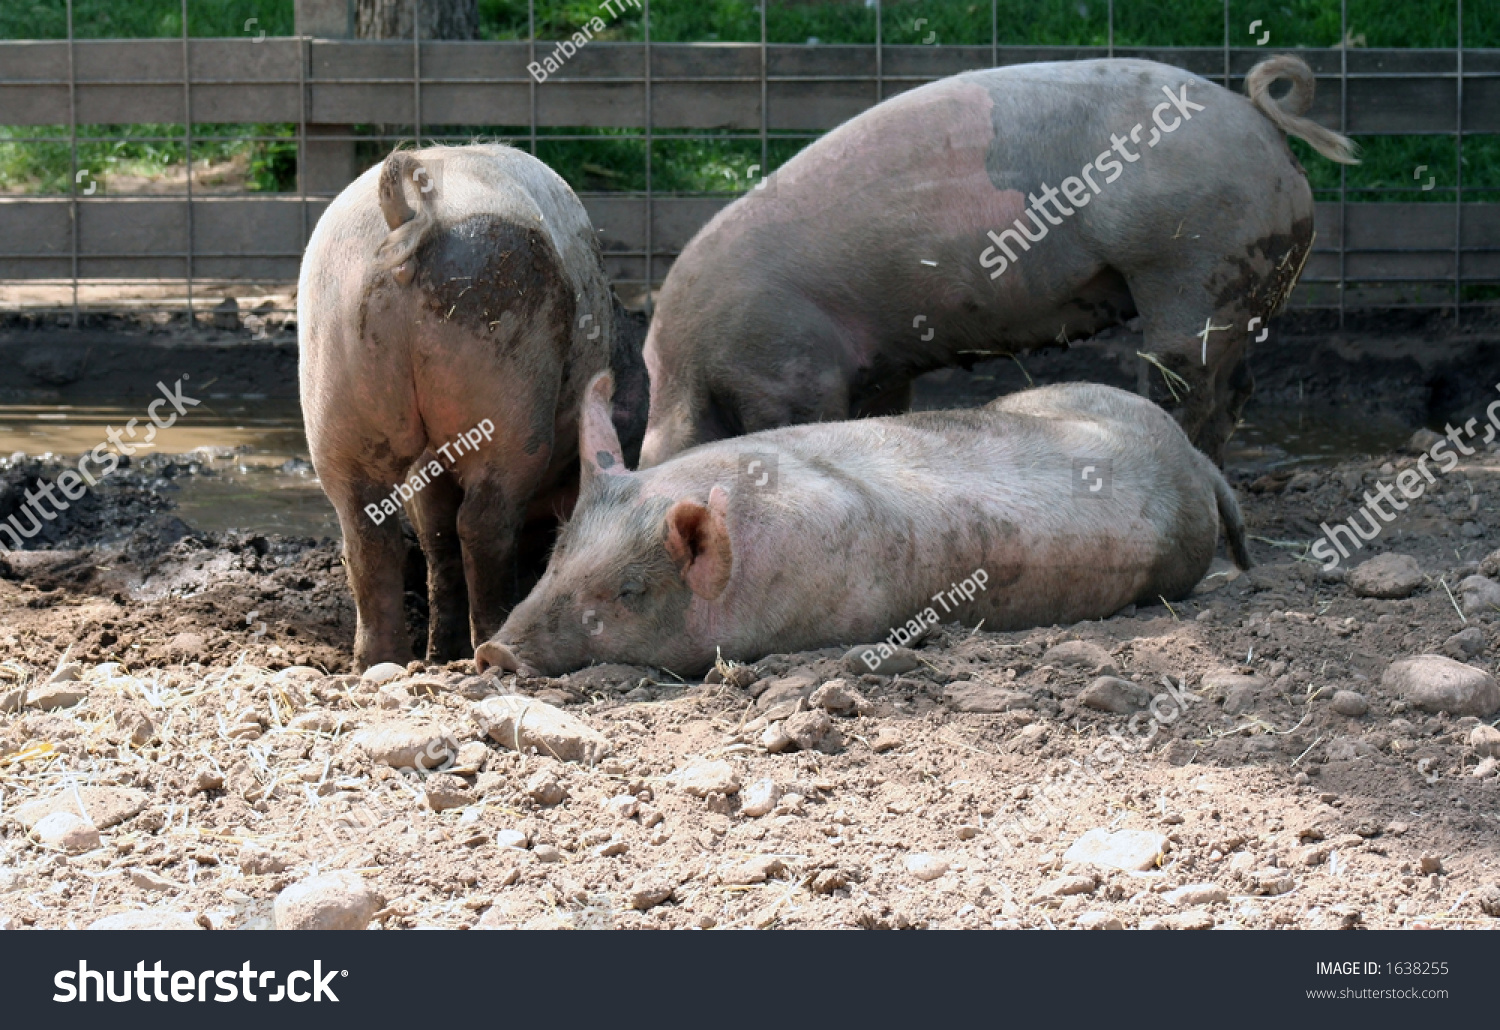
(632, 587)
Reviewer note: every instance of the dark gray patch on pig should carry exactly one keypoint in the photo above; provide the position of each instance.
(605, 459)
(632, 385)
(484, 267)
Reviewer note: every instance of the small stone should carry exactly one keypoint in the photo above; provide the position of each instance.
(1080, 654)
(148, 920)
(1431, 864)
(1479, 594)
(56, 695)
(829, 880)
(880, 660)
(1193, 919)
(1130, 850)
(774, 738)
(1197, 894)
(383, 673)
(785, 690)
(105, 806)
(925, 867)
(546, 853)
(320, 722)
(646, 895)
(544, 789)
(838, 697)
(444, 791)
(513, 839)
(1488, 899)
(1434, 683)
(332, 901)
(887, 738)
(524, 723)
(1112, 694)
(985, 698)
(1389, 576)
(1097, 921)
(1065, 886)
(1465, 643)
(811, 730)
(406, 745)
(471, 756)
(622, 806)
(759, 798)
(612, 849)
(1313, 855)
(1422, 441)
(1485, 740)
(1350, 703)
(755, 870)
(254, 860)
(1274, 881)
(66, 673)
(967, 831)
(701, 778)
(1486, 768)
(208, 779)
(149, 881)
(1240, 692)
(68, 831)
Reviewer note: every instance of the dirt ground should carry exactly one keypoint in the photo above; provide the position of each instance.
(216, 740)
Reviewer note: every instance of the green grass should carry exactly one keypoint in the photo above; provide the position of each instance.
(45, 167)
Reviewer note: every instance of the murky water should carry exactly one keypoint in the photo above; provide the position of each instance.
(263, 482)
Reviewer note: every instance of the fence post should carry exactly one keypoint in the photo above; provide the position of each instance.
(326, 166)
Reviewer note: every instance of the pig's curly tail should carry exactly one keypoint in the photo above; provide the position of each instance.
(407, 224)
(1287, 112)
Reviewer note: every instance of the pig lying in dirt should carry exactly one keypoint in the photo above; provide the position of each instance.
(1065, 503)
(903, 241)
(451, 308)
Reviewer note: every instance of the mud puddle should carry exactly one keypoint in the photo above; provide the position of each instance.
(253, 474)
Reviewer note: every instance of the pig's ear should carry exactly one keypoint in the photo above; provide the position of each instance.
(598, 445)
(698, 541)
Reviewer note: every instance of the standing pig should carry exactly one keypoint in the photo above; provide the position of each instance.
(451, 308)
(916, 236)
(1058, 504)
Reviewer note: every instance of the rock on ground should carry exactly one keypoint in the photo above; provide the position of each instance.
(1350, 703)
(523, 723)
(56, 695)
(1080, 654)
(104, 806)
(1197, 894)
(926, 867)
(702, 778)
(1389, 576)
(1131, 850)
(68, 831)
(1112, 694)
(759, 798)
(1434, 683)
(1485, 740)
(406, 745)
(866, 658)
(1480, 594)
(332, 901)
(985, 698)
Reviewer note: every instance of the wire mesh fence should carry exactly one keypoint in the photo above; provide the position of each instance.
(656, 137)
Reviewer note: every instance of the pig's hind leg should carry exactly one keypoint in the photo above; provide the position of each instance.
(434, 515)
(489, 523)
(375, 556)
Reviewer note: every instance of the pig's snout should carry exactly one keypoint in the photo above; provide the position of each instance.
(494, 654)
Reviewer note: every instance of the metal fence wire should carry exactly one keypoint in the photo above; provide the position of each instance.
(185, 250)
